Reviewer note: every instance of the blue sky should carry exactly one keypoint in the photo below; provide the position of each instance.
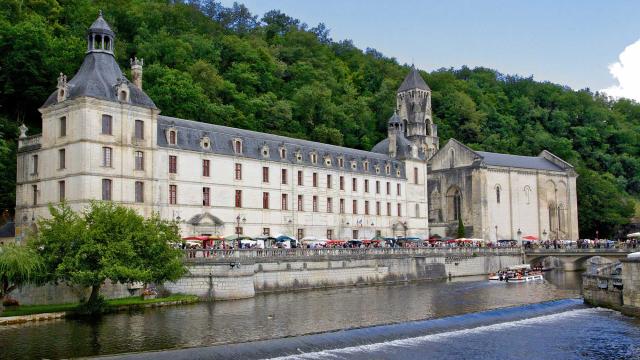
(567, 42)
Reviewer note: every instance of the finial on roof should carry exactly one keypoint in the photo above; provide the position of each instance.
(100, 13)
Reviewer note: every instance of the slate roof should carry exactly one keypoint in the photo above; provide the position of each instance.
(518, 161)
(403, 147)
(413, 80)
(101, 26)
(8, 230)
(190, 133)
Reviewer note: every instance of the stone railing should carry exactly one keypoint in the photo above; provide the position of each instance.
(575, 250)
(214, 254)
(32, 141)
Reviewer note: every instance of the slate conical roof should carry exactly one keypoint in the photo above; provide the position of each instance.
(413, 81)
(394, 119)
(100, 26)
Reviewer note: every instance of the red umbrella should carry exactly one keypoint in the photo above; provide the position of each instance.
(530, 237)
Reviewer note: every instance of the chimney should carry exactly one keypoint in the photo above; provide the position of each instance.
(136, 71)
(392, 143)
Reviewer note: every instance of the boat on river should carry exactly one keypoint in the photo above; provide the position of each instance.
(517, 274)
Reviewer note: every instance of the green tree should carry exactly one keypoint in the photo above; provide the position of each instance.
(19, 265)
(107, 242)
(460, 232)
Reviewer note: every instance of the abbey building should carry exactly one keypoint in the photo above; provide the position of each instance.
(103, 138)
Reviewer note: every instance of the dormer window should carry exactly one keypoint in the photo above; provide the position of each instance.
(365, 165)
(265, 151)
(387, 169)
(237, 146)
(283, 152)
(354, 165)
(299, 155)
(398, 172)
(205, 143)
(314, 157)
(122, 89)
(377, 169)
(327, 160)
(341, 161)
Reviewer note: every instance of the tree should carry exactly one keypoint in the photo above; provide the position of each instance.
(19, 265)
(107, 242)
(461, 232)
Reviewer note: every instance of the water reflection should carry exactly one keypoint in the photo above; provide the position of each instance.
(273, 315)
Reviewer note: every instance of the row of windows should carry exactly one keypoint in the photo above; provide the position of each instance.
(301, 233)
(107, 127)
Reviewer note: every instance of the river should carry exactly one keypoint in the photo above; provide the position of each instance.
(463, 318)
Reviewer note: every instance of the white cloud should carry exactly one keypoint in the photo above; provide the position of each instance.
(627, 72)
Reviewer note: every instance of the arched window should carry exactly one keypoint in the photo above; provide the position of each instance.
(172, 137)
(122, 96)
(454, 204)
(451, 159)
(237, 146)
(498, 194)
(527, 194)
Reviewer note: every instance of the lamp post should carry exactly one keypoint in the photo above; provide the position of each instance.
(519, 236)
(544, 234)
(496, 233)
(244, 220)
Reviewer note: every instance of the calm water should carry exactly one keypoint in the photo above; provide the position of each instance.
(455, 319)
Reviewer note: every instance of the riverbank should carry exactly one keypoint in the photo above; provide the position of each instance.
(49, 312)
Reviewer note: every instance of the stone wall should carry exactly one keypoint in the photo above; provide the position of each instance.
(62, 293)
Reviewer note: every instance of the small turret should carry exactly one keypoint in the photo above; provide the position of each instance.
(100, 36)
(394, 128)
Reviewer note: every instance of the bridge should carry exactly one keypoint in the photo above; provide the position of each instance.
(574, 259)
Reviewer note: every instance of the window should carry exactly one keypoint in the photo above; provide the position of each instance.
(341, 206)
(354, 206)
(206, 196)
(415, 175)
(173, 164)
(284, 177)
(498, 194)
(172, 137)
(300, 203)
(341, 182)
(329, 234)
(398, 187)
(35, 194)
(399, 209)
(527, 193)
(451, 159)
(329, 205)
(173, 194)
(457, 205)
(300, 178)
(340, 162)
(106, 156)
(366, 207)
(417, 210)
(205, 167)
(387, 169)
(388, 209)
(388, 188)
(139, 130)
(139, 191)
(366, 185)
(61, 190)
(314, 157)
(35, 164)
(237, 146)
(354, 234)
(378, 212)
(265, 174)
(329, 184)
(315, 203)
(61, 159)
(354, 184)
(285, 202)
(238, 198)
(238, 172)
(300, 233)
(63, 126)
(315, 179)
(139, 160)
(265, 200)
(107, 122)
(106, 189)
(365, 165)
(283, 153)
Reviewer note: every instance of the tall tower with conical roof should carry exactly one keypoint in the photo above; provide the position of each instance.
(413, 104)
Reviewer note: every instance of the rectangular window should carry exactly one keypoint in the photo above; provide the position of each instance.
(354, 233)
(173, 164)
(366, 207)
(172, 137)
(206, 196)
(173, 194)
(341, 206)
(265, 200)
(377, 186)
(139, 191)
(398, 188)
(329, 205)
(139, 159)
(388, 209)
(354, 206)
(378, 211)
(61, 190)
(106, 189)
(106, 157)
(63, 126)
(300, 233)
(35, 164)
(366, 185)
(315, 203)
(205, 168)
(285, 202)
(341, 182)
(238, 171)
(107, 121)
(265, 174)
(61, 157)
(329, 234)
(300, 178)
(35, 194)
(388, 188)
(399, 209)
(284, 177)
(329, 185)
(139, 130)
(238, 198)
(415, 175)
(315, 179)
(300, 203)
(354, 185)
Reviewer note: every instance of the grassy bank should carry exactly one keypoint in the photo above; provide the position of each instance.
(112, 304)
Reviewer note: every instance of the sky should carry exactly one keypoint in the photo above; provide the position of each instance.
(579, 43)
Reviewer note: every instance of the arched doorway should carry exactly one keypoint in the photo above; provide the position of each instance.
(454, 204)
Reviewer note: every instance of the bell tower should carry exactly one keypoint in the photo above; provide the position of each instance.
(413, 104)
